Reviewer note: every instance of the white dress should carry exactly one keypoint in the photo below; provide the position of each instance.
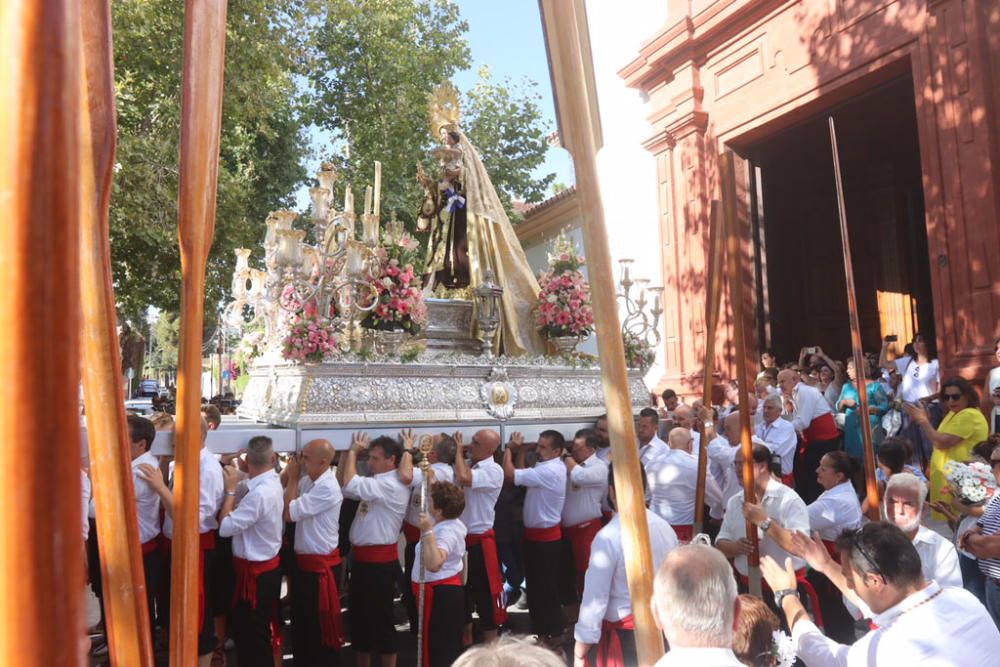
(994, 383)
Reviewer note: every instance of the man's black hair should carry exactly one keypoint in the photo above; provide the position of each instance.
(389, 446)
(555, 438)
(883, 549)
(140, 428)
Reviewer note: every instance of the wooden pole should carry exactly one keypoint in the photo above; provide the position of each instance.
(856, 349)
(126, 613)
(734, 251)
(41, 564)
(567, 40)
(713, 296)
(201, 121)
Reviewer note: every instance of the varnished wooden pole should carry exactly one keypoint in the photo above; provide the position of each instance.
(201, 122)
(41, 564)
(856, 350)
(126, 613)
(713, 296)
(567, 40)
(734, 251)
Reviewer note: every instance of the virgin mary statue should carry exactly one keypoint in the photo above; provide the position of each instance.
(471, 233)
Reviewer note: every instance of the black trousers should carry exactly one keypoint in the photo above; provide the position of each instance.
(252, 625)
(541, 569)
(446, 631)
(410, 602)
(206, 633)
(307, 641)
(804, 469)
(478, 597)
(223, 576)
(567, 573)
(369, 600)
(152, 568)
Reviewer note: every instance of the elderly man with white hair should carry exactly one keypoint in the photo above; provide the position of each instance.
(695, 603)
(779, 435)
(903, 504)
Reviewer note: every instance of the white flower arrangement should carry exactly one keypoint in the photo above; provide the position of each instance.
(783, 649)
(971, 483)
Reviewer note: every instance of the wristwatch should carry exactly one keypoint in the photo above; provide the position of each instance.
(782, 594)
(765, 524)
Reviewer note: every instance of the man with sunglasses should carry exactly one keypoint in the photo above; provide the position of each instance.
(918, 622)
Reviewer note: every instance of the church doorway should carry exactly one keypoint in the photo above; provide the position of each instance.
(801, 298)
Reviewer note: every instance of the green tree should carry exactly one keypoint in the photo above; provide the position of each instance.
(504, 122)
(166, 339)
(377, 62)
(263, 144)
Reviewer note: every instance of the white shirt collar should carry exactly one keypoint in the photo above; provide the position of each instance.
(254, 482)
(892, 613)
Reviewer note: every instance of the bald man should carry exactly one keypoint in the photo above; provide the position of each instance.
(685, 417)
(312, 500)
(673, 479)
(482, 481)
(813, 419)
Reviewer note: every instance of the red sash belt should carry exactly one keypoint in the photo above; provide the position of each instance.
(550, 534)
(800, 577)
(821, 428)
(429, 606)
(685, 533)
(330, 623)
(788, 480)
(375, 553)
(609, 649)
(247, 572)
(151, 546)
(831, 548)
(411, 532)
(206, 542)
(492, 561)
(580, 538)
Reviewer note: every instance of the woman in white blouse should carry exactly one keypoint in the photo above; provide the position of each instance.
(836, 510)
(441, 550)
(991, 393)
(919, 382)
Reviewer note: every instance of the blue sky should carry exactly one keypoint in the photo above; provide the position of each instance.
(507, 36)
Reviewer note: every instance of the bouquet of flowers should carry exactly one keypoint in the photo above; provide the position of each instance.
(309, 338)
(782, 649)
(249, 348)
(638, 353)
(396, 290)
(564, 307)
(971, 483)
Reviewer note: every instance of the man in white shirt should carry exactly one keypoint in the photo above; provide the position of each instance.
(209, 502)
(586, 489)
(903, 505)
(605, 618)
(482, 481)
(650, 445)
(813, 419)
(601, 428)
(256, 526)
(441, 457)
(312, 502)
(672, 482)
(374, 534)
(918, 621)
(778, 513)
(147, 504)
(695, 603)
(543, 504)
(685, 417)
(779, 435)
(721, 452)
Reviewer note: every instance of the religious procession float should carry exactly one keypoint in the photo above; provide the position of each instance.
(347, 326)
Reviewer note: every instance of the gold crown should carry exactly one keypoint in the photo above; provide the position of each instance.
(443, 108)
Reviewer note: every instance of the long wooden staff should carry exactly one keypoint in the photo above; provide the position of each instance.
(713, 296)
(567, 40)
(734, 252)
(41, 565)
(126, 613)
(426, 443)
(201, 121)
(856, 350)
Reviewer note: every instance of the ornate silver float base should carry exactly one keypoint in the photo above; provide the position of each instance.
(449, 328)
(460, 389)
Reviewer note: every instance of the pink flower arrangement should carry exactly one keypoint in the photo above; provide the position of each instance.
(638, 353)
(398, 299)
(309, 338)
(564, 307)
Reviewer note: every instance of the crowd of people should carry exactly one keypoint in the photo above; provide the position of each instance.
(535, 524)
